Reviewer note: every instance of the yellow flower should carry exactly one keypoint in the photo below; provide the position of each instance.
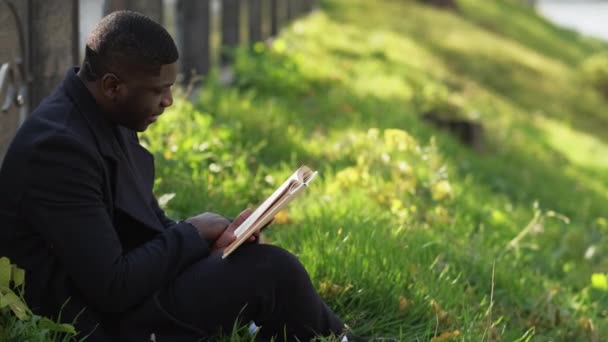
(282, 217)
(441, 190)
(399, 140)
(279, 46)
(599, 281)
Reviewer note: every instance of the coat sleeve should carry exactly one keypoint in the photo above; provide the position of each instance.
(167, 222)
(64, 202)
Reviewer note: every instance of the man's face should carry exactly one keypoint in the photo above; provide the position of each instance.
(144, 96)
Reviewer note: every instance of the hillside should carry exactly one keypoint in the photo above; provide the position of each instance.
(409, 232)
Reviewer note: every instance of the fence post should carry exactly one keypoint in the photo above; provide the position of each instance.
(54, 44)
(297, 8)
(265, 18)
(243, 22)
(193, 30)
(151, 8)
(308, 6)
(230, 27)
(255, 21)
(274, 17)
(110, 6)
(13, 69)
(279, 14)
(292, 9)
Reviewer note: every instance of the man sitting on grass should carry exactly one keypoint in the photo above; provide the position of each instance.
(78, 214)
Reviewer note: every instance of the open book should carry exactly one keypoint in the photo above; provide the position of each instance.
(293, 186)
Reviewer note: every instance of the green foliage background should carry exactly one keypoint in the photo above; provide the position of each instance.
(408, 233)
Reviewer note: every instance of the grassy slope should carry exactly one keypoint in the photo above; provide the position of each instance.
(408, 233)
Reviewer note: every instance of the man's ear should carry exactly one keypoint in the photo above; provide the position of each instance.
(111, 86)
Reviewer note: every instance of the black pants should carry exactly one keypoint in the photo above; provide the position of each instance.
(260, 283)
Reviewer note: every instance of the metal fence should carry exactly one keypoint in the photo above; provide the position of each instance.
(41, 39)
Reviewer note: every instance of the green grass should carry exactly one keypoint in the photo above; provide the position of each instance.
(408, 233)
(17, 322)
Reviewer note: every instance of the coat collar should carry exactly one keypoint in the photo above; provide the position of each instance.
(101, 127)
(134, 165)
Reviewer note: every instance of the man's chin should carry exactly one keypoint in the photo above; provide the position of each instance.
(142, 127)
(145, 124)
(139, 127)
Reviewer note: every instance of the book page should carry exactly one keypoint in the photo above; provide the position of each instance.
(294, 185)
(270, 201)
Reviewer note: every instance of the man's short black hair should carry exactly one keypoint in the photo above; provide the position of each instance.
(126, 36)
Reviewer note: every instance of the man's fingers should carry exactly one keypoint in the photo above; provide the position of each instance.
(268, 224)
(254, 237)
(226, 239)
(241, 218)
(244, 214)
(229, 239)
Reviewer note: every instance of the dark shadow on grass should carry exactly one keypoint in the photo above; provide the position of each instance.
(507, 77)
(523, 86)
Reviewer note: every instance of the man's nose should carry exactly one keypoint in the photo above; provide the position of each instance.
(167, 100)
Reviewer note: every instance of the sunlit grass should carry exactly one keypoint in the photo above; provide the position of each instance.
(582, 149)
(407, 232)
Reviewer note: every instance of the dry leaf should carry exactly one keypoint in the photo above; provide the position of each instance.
(446, 335)
(403, 304)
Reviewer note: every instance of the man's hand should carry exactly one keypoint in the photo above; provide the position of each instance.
(228, 236)
(210, 226)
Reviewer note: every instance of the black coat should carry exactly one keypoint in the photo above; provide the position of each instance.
(78, 214)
